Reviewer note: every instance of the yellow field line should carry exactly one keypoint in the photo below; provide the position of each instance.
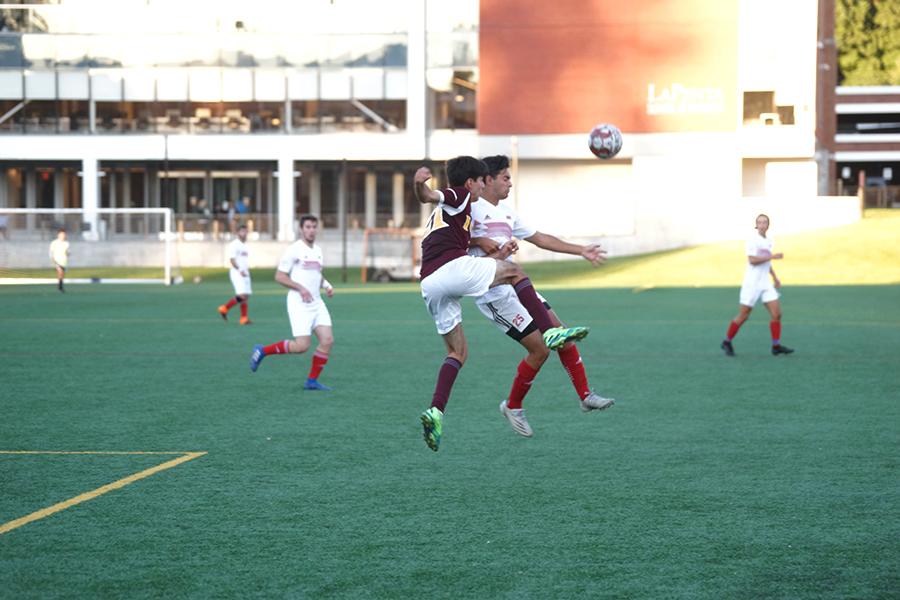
(46, 512)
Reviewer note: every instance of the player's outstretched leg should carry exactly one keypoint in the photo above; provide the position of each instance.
(555, 337)
(517, 419)
(224, 308)
(431, 425)
(256, 357)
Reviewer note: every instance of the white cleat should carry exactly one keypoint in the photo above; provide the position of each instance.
(517, 420)
(595, 402)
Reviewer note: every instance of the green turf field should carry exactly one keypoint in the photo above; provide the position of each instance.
(752, 477)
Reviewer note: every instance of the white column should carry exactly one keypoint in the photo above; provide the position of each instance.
(416, 108)
(58, 192)
(4, 190)
(371, 208)
(90, 195)
(286, 199)
(30, 183)
(397, 200)
(126, 200)
(315, 194)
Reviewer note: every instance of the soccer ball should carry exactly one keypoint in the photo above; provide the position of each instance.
(605, 140)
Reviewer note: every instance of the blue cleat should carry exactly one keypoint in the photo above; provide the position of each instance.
(313, 384)
(256, 357)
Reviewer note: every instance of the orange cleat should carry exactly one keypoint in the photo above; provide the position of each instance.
(223, 310)
(246, 321)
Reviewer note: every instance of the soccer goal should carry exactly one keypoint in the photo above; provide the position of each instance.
(390, 254)
(106, 245)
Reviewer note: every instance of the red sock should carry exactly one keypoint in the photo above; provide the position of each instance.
(318, 363)
(775, 328)
(732, 330)
(521, 384)
(231, 302)
(278, 348)
(571, 360)
(244, 310)
(534, 306)
(446, 377)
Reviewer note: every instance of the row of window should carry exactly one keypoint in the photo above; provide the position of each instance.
(450, 110)
(209, 201)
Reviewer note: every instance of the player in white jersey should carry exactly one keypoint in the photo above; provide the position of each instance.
(757, 286)
(300, 270)
(496, 224)
(59, 254)
(239, 257)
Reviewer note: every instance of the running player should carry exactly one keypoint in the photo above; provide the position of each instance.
(59, 254)
(448, 273)
(300, 270)
(239, 272)
(495, 225)
(757, 286)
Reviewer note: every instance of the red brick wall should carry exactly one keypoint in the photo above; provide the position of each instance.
(561, 66)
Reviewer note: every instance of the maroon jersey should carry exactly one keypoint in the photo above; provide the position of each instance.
(447, 232)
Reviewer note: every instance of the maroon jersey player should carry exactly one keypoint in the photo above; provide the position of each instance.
(449, 273)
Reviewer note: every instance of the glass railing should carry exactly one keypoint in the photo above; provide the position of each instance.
(67, 51)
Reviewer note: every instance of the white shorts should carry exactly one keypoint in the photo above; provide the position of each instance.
(751, 295)
(305, 317)
(241, 284)
(502, 306)
(463, 276)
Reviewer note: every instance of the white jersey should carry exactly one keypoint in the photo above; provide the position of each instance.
(757, 276)
(59, 252)
(501, 223)
(237, 251)
(304, 266)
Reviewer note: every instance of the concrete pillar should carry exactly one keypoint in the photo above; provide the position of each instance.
(397, 200)
(90, 196)
(30, 184)
(315, 194)
(126, 200)
(370, 198)
(416, 89)
(4, 190)
(286, 199)
(59, 196)
(342, 199)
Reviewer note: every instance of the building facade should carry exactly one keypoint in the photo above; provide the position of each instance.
(263, 111)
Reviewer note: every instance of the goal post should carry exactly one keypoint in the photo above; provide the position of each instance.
(108, 245)
(390, 254)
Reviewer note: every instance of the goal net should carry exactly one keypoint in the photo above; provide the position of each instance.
(390, 254)
(106, 245)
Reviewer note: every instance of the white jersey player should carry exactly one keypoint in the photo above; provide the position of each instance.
(495, 227)
(300, 270)
(757, 286)
(59, 254)
(239, 259)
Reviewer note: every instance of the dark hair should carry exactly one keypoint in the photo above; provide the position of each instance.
(496, 163)
(242, 226)
(306, 218)
(463, 168)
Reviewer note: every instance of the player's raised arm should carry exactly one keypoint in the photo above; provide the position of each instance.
(592, 253)
(424, 194)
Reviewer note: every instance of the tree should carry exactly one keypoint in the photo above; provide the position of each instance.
(868, 41)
